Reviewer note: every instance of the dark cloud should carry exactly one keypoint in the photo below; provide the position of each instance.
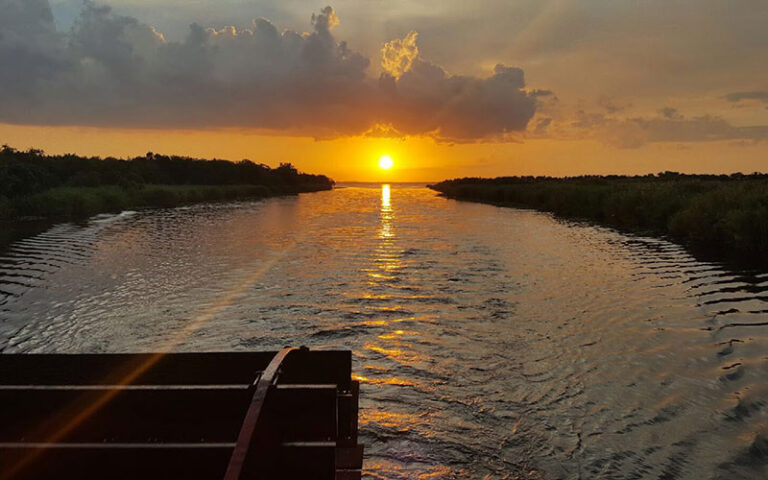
(589, 120)
(113, 70)
(425, 99)
(670, 113)
(668, 125)
(609, 105)
(30, 48)
(542, 93)
(639, 131)
(739, 96)
(542, 125)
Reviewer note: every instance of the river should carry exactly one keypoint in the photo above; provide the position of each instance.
(491, 343)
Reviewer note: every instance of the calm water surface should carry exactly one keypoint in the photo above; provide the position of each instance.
(492, 343)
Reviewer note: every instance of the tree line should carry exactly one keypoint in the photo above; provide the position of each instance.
(35, 184)
(31, 171)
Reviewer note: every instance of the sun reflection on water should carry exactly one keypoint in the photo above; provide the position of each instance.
(387, 214)
(398, 382)
(397, 420)
(385, 198)
(384, 275)
(387, 258)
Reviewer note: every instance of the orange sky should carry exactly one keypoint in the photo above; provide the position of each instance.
(416, 159)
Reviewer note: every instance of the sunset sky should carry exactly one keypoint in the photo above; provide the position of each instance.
(447, 88)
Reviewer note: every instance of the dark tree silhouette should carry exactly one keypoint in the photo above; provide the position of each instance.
(32, 183)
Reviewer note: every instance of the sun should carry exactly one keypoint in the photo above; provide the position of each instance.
(386, 162)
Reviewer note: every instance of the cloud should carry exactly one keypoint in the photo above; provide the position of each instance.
(609, 105)
(541, 126)
(427, 100)
(670, 113)
(673, 127)
(113, 70)
(631, 128)
(397, 56)
(542, 93)
(755, 95)
(325, 20)
(116, 71)
(30, 48)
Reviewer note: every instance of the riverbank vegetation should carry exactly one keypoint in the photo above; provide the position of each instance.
(724, 215)
(33, 184)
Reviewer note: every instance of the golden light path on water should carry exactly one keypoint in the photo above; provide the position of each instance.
(492, 343)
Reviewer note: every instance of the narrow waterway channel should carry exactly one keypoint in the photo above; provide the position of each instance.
(491, 342)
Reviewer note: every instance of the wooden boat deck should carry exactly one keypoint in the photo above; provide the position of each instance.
(232, 416)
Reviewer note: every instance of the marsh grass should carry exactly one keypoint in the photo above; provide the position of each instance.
(726, 216)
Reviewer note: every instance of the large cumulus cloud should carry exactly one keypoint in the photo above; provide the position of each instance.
(422, 98)
(112, 70)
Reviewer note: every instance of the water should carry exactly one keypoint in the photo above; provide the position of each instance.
(491, 343)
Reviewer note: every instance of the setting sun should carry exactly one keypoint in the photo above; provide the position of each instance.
(386, 162)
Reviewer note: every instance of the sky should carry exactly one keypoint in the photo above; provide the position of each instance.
(448, 88)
